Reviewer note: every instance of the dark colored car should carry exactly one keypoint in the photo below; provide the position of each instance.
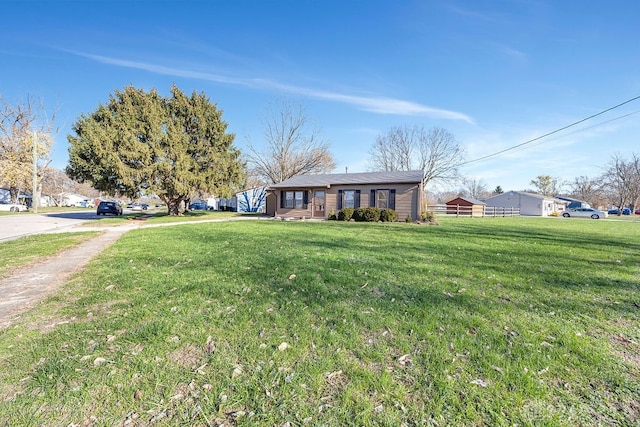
(198, 206)
(625, 211)
(112, 208)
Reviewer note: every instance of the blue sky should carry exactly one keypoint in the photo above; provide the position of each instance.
(493, 73)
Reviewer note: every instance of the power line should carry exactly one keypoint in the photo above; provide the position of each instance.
(551, 133)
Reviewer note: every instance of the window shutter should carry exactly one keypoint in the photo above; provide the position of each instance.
(356, 199)
(305, 199)
(392, 199)
(282, 199)
(339, 201)
(372, 199)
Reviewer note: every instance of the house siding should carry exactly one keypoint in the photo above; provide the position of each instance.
(408, 199)
(529, 204)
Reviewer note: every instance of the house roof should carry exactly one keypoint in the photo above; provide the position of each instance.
(524, 193)
(468, 199)
(362, 178)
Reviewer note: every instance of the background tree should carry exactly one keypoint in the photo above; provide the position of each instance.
(142, 142)
(547, 185)
(622, 180)
(589, 189)
(498, 190)
(435, 152)
(292, 146)
(474, 187)
(20, 124)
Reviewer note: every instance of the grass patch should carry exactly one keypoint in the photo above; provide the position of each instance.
(474, 322)
(20, 252)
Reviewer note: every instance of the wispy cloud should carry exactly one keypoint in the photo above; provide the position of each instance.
(512, 53)
(375, 104)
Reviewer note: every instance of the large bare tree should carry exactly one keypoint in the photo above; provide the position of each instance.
(589, 189)
(25, 127)
(435, 152)
(292, 146)
(622, 180)
(475, 188)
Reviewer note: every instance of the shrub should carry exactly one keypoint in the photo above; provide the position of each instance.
(408, 219)
(429, 217)
(367, 214)
(345, 214)
(332, 214)
(388, 215)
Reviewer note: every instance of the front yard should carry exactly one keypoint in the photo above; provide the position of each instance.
(494, 321)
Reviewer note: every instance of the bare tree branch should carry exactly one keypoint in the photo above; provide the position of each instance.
(292, 146)
(436, 152)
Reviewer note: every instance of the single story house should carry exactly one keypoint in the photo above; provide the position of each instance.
(316, 196)
(465, 206)
(529, 204)
(70, 199)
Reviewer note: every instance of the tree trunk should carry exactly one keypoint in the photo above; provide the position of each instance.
(173, 205)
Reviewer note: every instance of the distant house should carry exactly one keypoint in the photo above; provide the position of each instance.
(574, 203)
(24, 198)
(465, 206)
(530, 204)
(70, 199)
(315, 196)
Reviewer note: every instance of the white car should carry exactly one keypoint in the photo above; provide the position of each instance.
(584, 213)
(12, 207)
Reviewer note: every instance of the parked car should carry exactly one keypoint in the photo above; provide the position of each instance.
(106, 207)
(585, 213)
(625, 211)
(12, 207)
(637, 212)
(198, 206)
(134, 206)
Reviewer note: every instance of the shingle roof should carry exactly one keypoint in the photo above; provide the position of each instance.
(526, 193)
(468, 199)
(394, 177)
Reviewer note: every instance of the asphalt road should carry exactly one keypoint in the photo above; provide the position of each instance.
(24, 224)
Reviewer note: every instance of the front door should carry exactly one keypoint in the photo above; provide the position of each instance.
(318, 203)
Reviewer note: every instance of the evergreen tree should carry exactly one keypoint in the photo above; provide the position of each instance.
(143, 143)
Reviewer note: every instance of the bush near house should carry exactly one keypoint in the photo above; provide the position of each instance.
(370, 214)
(429, 217)
(388, 215)
(345, 214)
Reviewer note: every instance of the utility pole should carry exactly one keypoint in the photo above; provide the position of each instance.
(34, 202)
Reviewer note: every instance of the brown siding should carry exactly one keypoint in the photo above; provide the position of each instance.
(408, 199)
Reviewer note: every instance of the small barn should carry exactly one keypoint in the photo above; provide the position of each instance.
(466, 206)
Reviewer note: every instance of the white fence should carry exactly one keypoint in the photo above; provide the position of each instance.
(477, 210)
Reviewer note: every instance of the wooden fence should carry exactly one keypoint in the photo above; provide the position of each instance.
(476, 211)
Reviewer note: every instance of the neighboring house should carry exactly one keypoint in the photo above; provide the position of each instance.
(530, 204)
(252, 200)
(69, 199)
(229, 204)
(23, 198)
(574, 203)
(315, 196)
(465, 206)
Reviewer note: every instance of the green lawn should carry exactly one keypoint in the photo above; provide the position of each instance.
(20, 252)
(504, 321)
